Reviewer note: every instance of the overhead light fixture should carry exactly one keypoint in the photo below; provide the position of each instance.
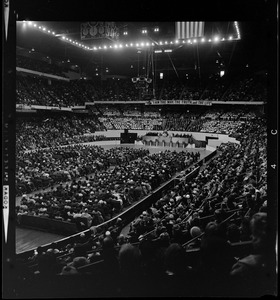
(216, 38)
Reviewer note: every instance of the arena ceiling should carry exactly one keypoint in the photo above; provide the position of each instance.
(250, 50)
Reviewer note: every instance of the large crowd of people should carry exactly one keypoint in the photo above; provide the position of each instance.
(183, 244)
(38, 65)
(224, 204)
(114, 178)
(54, 131)
(32, 89)
(51, 131)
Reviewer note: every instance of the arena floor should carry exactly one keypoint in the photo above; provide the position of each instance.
(27, 239)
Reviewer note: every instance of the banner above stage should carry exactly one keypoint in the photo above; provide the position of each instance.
(179, 102)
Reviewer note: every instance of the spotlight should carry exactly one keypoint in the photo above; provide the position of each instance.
(203, 40)
(216, 38)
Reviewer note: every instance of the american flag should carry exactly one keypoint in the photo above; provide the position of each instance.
(186, 30)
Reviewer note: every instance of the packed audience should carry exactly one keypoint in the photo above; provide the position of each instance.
(221, 126)
(224, 204)
(251, 88)
(105, 190)
(38, 65)
(33, 90)
(45, 167)
(132, 123)
(54, 131)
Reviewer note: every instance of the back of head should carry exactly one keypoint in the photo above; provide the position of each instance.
(258, 225)
(175, 258)
(129, 259)
(195, 231)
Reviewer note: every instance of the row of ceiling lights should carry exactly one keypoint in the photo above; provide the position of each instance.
(142, 44)
(161, 43)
